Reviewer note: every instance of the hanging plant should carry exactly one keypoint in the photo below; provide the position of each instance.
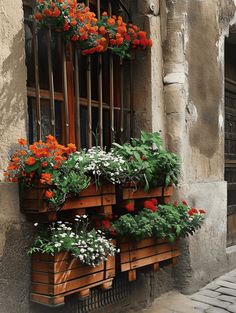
(73, 19)
(123, 37)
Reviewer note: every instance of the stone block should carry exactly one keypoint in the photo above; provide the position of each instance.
(211, 301)
(209, 293)
(226, 284)
(227, 291)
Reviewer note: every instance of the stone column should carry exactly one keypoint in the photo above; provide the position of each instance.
(194, 105)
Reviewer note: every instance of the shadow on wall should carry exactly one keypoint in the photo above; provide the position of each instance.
(12, 95)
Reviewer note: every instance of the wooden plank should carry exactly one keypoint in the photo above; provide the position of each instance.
(130, 193)
(49, 301)
(61, 277)
(82, 202)
(144, 252)
(34, 205)
(127, 245)
(44, 257)
(69, 285)
(167, 191)
(150, 260)
(57, 300)
(108, 199)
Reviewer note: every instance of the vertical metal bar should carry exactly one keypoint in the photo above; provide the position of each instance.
(66, 110)
(121, 101)
(37, 86)
(89, 97)
(77, 99)
(131, 101)
(111, 74)
(51, 83)
(100, 94)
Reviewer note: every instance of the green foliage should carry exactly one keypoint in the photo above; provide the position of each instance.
(69, 179)
(170, 221)
(89, 246)
(147, 162)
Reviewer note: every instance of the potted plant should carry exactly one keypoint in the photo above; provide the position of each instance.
(151, 170)
(123, 37)
(70, 258)
(74, 20)
(149, 236)
(54, 178)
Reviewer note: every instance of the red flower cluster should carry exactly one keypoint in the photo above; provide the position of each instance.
(130, 207)
(193, 211)
(37, 159)
(151, 205)
(79, 24)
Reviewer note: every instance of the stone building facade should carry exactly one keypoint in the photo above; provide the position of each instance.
(180, 91)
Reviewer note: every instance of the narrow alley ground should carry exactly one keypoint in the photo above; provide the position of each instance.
(217, 297)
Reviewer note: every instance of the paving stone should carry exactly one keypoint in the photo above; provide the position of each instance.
(226, 284)
(229, 278)
(232, 308)
(227, 298)
(227, 291)
(200, 305)
(209, 293)
(211, 286)
(212, 301)
(216, 310)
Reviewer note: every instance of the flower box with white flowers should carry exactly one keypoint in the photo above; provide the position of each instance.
(69, 258)
(54, 277)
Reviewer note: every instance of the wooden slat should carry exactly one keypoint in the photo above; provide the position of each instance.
(77, 99)
(130, 193)
(65, 94)
(144, 252)
(51, 83)
(51, 300)
(149, 260)
(127, 245)
(69, 285)
(37, 86)
(61, 277)
(121, 101)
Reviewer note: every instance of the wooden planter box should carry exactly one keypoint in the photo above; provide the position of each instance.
(34, 204)
(163, 193)
(145, 252)
(54, 277)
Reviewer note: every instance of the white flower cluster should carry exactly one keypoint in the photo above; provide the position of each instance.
(104, 164)
(89, 246)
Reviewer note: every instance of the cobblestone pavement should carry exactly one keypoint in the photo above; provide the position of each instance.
(217, 297)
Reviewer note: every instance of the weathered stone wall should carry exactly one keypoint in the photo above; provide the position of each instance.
(178, 90)
(194, 103)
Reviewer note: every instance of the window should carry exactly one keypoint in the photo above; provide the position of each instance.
(79, 99)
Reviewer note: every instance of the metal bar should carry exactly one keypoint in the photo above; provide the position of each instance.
(89, 100)
(100, 93)
(66, 110)
(131, 101)
(77, 99)
(51, 83)
(37, 87)
(121, 100)
(111, 76)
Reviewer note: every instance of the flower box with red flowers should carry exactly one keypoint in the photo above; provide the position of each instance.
(54, 277)
(150, 251)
